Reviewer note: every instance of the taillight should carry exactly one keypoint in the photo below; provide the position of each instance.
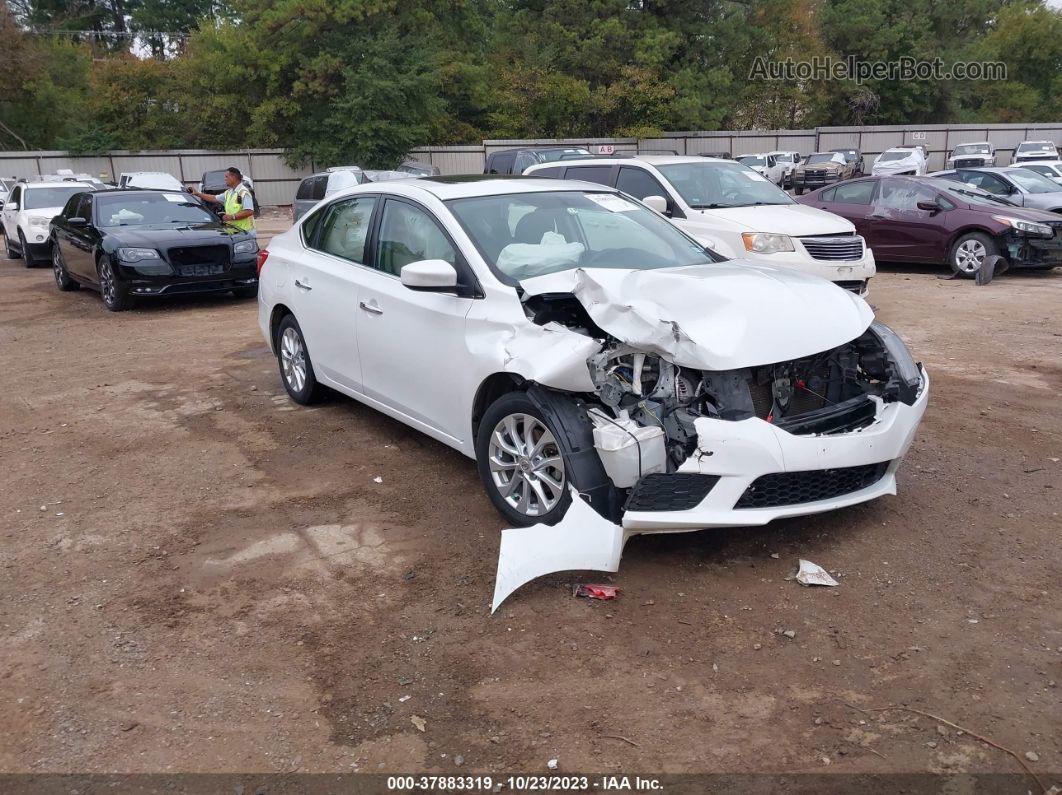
(262, 255)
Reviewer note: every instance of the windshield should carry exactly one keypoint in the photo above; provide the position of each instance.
(709, 186)
(847, 154)
(39, 198)
(1036, 146)
(751, 161)
(980, 197)
(824, 158)
(887, 156)
(972, 149)
(784, 157)
(531, 234)
(140, 209)
(1033, 182)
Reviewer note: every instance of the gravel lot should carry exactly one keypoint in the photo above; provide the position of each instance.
(199, 575)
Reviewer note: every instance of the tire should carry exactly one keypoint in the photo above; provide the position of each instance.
(11, 253)
(114, 295)
(522, 463)
(62, 278)
(296, 368)
(247, 291)
(969, 252)
(798, 191)
(28, 260)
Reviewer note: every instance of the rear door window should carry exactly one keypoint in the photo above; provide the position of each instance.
(305, 191)
(854, 192)
(598, 174)
(345, 228)
(318, 187)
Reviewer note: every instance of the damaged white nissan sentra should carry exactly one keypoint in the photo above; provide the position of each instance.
(573, 341)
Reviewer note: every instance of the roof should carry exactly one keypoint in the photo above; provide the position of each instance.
(461, 187)
(56, 184)
(652, 160)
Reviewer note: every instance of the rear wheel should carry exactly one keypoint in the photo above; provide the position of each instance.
(798, 191)
(296, 369)
(115, 297)
(62, 278)
(11, 253)
(522, 463)
(969, 253)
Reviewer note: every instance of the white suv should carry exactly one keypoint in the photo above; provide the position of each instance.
(766, 165)
(733, 211)
(27, 214)
(579, 347)
(900, 161)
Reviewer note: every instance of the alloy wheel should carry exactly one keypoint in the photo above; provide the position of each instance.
(293, 359)
(57, 266)
(970, 255)
(108, 289)
(526, 465)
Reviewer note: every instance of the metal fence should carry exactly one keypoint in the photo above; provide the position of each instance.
(275, 182)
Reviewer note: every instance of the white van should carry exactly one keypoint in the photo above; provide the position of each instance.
(733, 211)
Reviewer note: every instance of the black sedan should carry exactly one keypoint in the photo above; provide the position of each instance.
(132, 244)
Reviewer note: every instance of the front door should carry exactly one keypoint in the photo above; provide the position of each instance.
(77, 243)
(412, 343)
(900, 230)
(9, 214)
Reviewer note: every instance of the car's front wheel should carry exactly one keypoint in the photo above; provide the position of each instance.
(27, 259)
(62, 278)
(969, 253)
(296, 369)
(522, 463)
(112, 291)
(798, 191)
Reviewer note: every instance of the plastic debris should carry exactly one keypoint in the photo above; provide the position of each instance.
(597, 591)
(377, 479)
(552, 764)
(418, 721)
(812, 574)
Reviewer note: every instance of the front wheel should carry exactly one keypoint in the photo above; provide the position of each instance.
(798, 191)
(969, 253)
(26, 258)
(521, 462)
(114, 294)
(296, 369)
(62, 278)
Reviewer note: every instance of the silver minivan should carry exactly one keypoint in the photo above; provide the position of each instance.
(312, 189)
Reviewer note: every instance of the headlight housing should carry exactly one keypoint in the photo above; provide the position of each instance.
(1029, 227)
(906, 370)
(245, 247)
(764, 243)
(137, 254)
(38, 220)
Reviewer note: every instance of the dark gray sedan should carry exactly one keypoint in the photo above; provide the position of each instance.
(1019, 186)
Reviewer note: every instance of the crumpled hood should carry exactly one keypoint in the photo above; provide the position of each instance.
(783, 219)
(721, 316)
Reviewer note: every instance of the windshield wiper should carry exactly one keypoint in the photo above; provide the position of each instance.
(758, 204)
(713, 206)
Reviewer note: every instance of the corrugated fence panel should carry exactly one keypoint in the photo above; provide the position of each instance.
(155, 161)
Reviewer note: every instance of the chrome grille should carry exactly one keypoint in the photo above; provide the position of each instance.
(969, 162)
(843, 248)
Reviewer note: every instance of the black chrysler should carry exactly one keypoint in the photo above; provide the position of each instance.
(132, 244)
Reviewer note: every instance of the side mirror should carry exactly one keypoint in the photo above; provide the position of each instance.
(77, 220)
(929, 206)
(13, 206)
(431, 275)
(658, 203)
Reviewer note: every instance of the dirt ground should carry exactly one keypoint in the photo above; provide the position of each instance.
(198, 575)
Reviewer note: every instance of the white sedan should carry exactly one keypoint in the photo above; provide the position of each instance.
(571, 340)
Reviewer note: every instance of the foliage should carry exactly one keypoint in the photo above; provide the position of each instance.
(337, 81)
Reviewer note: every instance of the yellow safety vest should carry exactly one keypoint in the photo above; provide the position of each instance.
(233, 206)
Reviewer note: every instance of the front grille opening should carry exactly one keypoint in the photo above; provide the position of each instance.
(198, 255)
(845, 248)
(797, 488)
(674, 492)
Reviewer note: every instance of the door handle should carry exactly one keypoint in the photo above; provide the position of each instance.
(370, 308)
(302, 286)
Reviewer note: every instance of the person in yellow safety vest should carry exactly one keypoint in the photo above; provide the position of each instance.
(237, 201)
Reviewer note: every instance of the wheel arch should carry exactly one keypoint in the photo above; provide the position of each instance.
(492, 388)
(280, 311)
(996, 238)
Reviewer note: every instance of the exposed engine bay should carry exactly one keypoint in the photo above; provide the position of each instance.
(835, 391)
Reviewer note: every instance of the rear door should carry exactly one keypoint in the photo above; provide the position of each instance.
(10, 215)
(851, 200)
(412, 343)
(326, 286)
